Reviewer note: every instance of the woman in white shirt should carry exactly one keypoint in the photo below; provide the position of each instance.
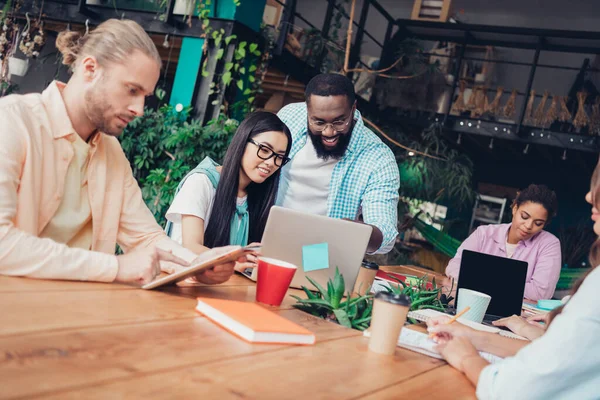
(563, 363)
(229, 205)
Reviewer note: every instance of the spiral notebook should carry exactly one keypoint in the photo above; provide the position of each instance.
(426, 314)
(421, 343)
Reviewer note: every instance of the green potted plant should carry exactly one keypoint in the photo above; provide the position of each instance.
(355, 312)
(422, 294)
(7, 88)
(329, 304)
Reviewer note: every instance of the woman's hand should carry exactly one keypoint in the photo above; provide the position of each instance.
(520, 326)
(457, 350)
(445, 332)
(540, 320)
(219, 273)
(514, 323)
(456, 345)
(251, 259)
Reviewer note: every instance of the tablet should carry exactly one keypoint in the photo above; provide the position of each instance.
(201, 265)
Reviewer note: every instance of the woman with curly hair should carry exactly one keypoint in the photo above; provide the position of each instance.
(523, 239)
(562, 363)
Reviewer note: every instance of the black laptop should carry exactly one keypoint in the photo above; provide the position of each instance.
(500, 277)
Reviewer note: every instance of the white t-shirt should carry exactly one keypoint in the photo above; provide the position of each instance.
(196, 197)
(72, 222)
(510, 249)
(309, 177)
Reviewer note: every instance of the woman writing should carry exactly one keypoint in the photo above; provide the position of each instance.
(524, 239)
(562, 363)
(229, 205)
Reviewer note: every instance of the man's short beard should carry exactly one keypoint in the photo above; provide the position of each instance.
(97, 108)
(335, 153)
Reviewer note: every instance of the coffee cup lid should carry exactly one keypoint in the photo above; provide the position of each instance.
(370, 265)
(399, 299)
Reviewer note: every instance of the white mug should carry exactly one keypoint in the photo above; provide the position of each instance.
(478, 302)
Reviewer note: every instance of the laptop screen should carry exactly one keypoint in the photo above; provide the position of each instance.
(501, 278)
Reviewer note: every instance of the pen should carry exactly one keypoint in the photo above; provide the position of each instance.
(453, 319)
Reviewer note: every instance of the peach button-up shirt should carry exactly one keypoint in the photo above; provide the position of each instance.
(35, 152)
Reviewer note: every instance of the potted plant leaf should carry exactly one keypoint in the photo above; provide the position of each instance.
(422, 295)
(330, 304)
(355, 312)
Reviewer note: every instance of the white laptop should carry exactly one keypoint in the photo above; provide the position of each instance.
(288, 232)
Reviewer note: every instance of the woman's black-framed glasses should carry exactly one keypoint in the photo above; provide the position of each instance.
(264, 153)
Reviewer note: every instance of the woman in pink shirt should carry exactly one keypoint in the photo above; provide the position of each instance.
(524, 239)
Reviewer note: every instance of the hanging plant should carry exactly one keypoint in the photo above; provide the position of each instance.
(581, 119)
(509, 107)
(235, 71)
(8, 35)
(471, 103)
(480, 102)
(552, 113)
(564, 115)
(459, 105)
(31, 45)
(539, 111)
(529, 109)
(494, 106)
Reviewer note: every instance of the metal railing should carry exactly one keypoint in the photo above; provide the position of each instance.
(324, 31)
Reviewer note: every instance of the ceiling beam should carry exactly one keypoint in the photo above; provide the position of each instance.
(532, 135)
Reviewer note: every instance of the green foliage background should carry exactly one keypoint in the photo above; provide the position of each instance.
(163, 146)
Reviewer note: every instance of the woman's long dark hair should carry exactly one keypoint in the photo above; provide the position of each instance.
(261, 197)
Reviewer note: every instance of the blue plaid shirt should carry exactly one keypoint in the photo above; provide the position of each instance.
(364, 181)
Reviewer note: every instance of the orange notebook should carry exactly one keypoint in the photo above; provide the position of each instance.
(253, 323)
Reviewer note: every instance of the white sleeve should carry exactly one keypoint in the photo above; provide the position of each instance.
(562, 364)
(194, 198)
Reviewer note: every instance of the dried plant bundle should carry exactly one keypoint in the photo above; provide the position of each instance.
(471, 103)
(480, 100)
(509, 107)
(564, 115)
(529, 110)
(459, 104)
(581, 118)
(552, 113)
(494, 106)
(539, 111)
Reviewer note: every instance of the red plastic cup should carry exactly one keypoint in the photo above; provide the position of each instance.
(274, 278)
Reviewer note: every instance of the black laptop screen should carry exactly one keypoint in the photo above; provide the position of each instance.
(502, 278)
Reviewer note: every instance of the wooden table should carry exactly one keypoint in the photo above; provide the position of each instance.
(67, 340)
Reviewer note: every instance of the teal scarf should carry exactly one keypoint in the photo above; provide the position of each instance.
(238, 232)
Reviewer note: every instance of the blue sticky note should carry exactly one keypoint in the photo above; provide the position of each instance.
(315, 257)
(548, 305)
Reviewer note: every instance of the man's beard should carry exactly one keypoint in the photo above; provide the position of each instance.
(338, 151)
(98, 108)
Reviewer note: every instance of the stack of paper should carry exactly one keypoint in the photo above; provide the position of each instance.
(420, 343)
(424, 315)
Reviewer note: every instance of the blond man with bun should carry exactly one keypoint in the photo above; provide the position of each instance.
(67, 193)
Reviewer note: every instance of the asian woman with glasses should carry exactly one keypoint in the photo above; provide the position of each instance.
(229, 205)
